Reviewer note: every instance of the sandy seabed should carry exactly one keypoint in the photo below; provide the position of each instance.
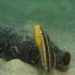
(56, 17)
(64, 41)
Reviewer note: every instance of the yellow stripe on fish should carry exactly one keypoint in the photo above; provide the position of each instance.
(43, 42)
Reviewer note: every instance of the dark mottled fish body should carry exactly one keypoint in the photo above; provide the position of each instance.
(20, 43)
(63, 58)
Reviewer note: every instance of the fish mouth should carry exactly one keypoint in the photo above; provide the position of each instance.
(63, 61)
(66, 59)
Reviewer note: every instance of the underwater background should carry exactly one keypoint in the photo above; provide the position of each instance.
(57, 17)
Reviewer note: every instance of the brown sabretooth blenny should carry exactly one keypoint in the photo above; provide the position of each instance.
(22, 44)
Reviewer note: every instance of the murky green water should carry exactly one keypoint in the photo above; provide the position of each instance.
(56, 17)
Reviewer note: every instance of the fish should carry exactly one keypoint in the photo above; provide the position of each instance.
(43, 42)
(63, 58)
